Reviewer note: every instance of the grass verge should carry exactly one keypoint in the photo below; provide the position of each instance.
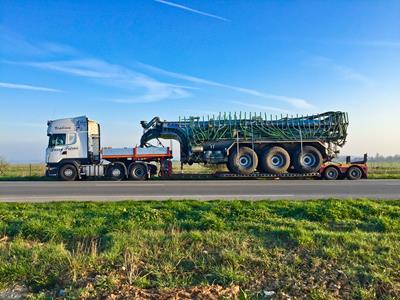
(324, 249)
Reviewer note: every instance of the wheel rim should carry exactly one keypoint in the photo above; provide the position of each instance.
(139, 172)
(331, 173)
(355, 173)
(245, 161)
(116, 172)
(68, 172)
(309, 160)
(277, 161)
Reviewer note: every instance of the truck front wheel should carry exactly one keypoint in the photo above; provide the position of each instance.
(68, 172)
(275, 160)
(243, 162)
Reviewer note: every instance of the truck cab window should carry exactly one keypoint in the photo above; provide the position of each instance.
(57, 140)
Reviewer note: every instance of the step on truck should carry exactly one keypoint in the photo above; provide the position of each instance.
(74, 152)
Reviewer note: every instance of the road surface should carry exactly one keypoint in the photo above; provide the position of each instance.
(197, 189)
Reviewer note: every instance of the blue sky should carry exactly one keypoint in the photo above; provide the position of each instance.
(125, 61)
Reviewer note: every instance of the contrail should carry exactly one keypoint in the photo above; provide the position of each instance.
(192, 10)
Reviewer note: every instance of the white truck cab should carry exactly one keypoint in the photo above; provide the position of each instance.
(73, 139)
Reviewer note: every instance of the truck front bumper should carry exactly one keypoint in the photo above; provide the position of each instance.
(51, 171)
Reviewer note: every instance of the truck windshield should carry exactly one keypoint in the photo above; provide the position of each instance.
(57, 139)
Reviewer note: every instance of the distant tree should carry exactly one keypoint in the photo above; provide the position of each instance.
(3, 165)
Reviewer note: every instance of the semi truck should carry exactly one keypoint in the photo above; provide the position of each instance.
(250, 145)
(74, 152)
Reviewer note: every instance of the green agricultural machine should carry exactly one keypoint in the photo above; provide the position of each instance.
(249, 143)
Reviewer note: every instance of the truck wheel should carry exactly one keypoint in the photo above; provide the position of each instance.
(68, 172)
(245, 162)
(354, 173)
(275, 160)
(138, 172)
(307, 161)
(116, 172)
(331, 173)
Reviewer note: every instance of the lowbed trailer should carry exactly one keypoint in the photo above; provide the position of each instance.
(329, 171)
(74, 152)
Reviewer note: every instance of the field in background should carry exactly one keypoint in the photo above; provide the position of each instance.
(331, 249)
(378, 170)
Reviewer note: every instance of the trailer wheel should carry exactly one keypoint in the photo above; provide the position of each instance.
(275, 160)
(116, 172)
(68, 172)
(138, 172)
(354, 173)
(307, 161)
(245, 162)
(331, 173)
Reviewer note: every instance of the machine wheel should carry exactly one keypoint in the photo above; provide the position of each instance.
(138, 172)
(68, 172)
(116, 172)
(331, 173)
(275, 160)
(354, 173)
(245, 162)
(307, 161)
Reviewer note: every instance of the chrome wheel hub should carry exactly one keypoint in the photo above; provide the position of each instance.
(68, 172)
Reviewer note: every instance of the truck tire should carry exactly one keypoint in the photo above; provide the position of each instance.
(354, 173)
(68, 172)
(245, 162)
(116, 172)
(331, 173)
(275, 160)
(138, 172)
(307, 161)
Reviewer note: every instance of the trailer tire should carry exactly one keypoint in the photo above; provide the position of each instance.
(275, 160)
(68, 172)
(331, 173)
(354, 173)
(245, 162)
(116, 172)
(138, 172)
(307, 161)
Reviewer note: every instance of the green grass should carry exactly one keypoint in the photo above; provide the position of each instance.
(324, 249)
(384, 170)
(23, 172)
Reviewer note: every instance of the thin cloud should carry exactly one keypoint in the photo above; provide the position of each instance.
(199, 12)
(297, 102)
(14, 43)
(147, 88)
(8, 85)
(343, 71)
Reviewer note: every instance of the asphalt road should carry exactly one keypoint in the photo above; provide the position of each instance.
(197, 189)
